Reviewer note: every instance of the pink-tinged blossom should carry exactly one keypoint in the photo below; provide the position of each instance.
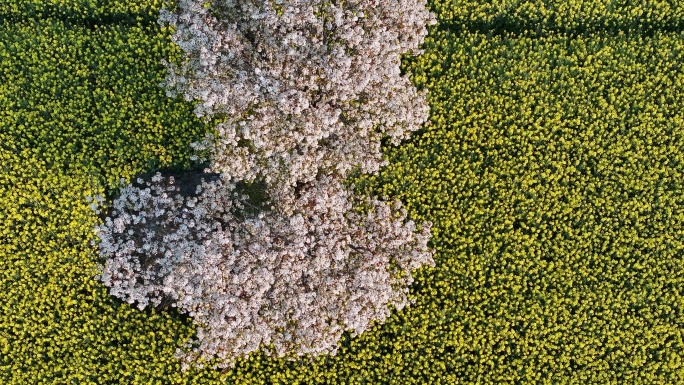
(297, 282)
(308, 89)
(306, 85)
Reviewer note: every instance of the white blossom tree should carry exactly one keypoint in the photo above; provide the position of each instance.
(307, 90)
(306, 85)
(295, 282)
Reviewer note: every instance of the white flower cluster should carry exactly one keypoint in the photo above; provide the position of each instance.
(308, 89)
(307, 85)
(296, 282)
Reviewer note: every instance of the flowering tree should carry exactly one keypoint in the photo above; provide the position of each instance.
(295, 282)
(308, 89)
(307, 85)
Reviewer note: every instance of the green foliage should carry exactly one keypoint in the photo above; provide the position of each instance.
(554, 176)
(81, 108)
(57, 324)
(552, 172)
(91, 97)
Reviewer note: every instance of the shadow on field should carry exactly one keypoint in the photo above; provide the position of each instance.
(507, 25)
(70, 18)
